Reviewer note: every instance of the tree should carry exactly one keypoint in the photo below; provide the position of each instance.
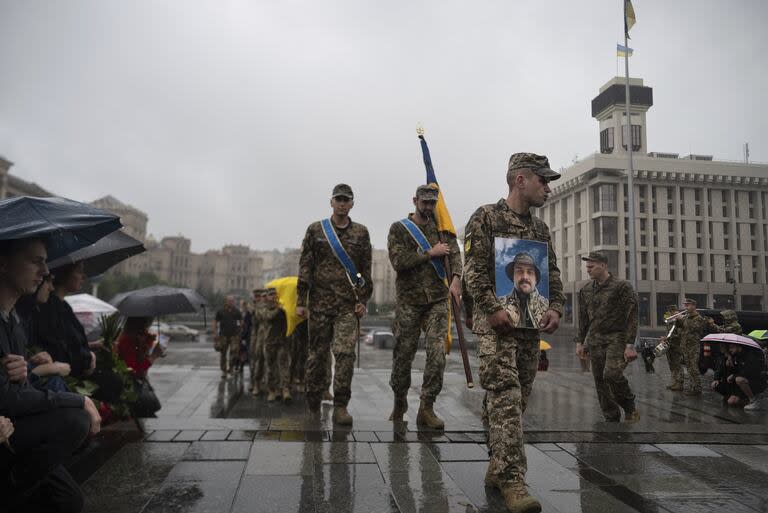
(113, 284)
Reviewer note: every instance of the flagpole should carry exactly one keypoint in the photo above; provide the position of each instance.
(630, 171)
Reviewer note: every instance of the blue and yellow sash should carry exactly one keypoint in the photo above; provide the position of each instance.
(355, 278)
(425, 246)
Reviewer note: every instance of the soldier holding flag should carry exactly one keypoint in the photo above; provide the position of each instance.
(333, 287)
(422, 284)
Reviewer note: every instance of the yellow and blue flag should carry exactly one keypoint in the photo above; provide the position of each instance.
(287, 295)
(629, 17)
(622, 51)
(442, 217)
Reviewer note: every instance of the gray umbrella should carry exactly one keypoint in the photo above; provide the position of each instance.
(103, 254)
(158, 300)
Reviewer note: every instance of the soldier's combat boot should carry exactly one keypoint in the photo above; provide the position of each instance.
(675, 387)
(401, 406)
(341, 416)
(426, 416)
(693, 392)
(632, 417)
(272, 395)
(287, 395)
(491, 478)
(256, 390)
(517, 499)
(327, 396)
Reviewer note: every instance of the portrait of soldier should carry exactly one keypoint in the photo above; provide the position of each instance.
(524, 303)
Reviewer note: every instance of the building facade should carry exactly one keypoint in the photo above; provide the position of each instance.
(701, 225)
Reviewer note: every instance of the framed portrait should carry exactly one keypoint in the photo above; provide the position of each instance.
(522, 279)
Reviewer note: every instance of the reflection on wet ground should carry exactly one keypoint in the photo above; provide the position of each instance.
(214, 448)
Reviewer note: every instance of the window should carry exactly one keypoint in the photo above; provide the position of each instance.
(655, 234)
(726, 195)
(664, 301)
(635, 137)
(699, 234)
(568, 310)
(579, 243)
(753, 303)
(682, 235)
(754, 270)
(700, 264)
(726, 235)
(697, 202)
(642, 191)
(709, 203)
(671, 232)
(577, 205)
(653, 199)
(566, 236)
(701, 299)
(564, 211)
(644, 308)
(606, 140)
(722, 301)
(643, 232)
(673, 266)
(752, 197)
(605, 198)
(671, 201)
(610, 231)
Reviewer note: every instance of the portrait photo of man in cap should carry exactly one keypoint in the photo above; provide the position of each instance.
(524, 292)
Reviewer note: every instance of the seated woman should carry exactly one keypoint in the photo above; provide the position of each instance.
(57, 329)
(139, 350)
(44, 373)
(740, 377)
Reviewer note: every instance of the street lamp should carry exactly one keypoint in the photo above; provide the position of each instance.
(733, 267)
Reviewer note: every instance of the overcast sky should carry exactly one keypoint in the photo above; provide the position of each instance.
(229, 121)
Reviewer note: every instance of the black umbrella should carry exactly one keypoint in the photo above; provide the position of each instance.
(64, 225)
(100, 256)
(158, 300)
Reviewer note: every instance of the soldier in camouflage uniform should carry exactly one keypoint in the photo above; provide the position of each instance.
(730, 323)
(509, 356)
(689, 331)
(333, 302)
(276, 350)
(257, 356)
(607, 325)
(422, 303)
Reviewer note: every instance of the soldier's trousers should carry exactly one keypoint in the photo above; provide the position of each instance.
(675, 362)
(612, 386)
(508, 366)
(299, 349)
(691, 351)
(407, 327)
(278, 365)
(257, 361)
(230, 352)
(331, 332)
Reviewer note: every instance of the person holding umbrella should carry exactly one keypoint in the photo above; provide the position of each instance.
(740, 375)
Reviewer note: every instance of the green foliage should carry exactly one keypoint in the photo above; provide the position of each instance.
(111, 326)
(113, 284)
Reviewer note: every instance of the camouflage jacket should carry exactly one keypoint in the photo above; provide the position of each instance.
(690, 330)
(417, 282)
(525, 314)
(730, 323)
(271, 322)
(498, 220)
(323, 284)
(607, 313)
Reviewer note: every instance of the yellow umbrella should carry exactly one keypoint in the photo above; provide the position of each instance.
(287, 295)
(544, 346)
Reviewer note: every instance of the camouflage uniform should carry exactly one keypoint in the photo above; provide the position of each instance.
(509, 361)
(230, 324)
(687, 336)
(325, 289)
(259, 333)
(422, 303)
(276, 351)
(607, 322)
(730, 323)
(299, 342)
(523, 312)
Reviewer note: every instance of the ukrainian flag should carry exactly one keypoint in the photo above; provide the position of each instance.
(442, 217)
(287, 295)
(629, 17)
(622, 51)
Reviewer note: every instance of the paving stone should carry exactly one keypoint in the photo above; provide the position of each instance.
(218, 451)
(162, 435)
(345, 452)
(458, 437)
(216, 435)
(282, 459)
(270, 494)
(352, 488)
(688, 450)
(188, 435)
(365, 436)
(292, 436)
(242, 435)
(131, 478)
(198, 487)
(265, 435)
(413, 459)
(459, 452)
(705, 505)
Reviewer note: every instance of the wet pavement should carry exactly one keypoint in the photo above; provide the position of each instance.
(215, 448)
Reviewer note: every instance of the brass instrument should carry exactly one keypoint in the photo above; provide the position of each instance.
(675, 317)
(663, 346)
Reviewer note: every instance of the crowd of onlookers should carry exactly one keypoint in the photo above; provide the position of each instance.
(46, 359)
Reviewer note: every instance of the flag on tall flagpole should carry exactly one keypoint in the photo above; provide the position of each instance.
(629, 17)
(442, 217)
(622, 50)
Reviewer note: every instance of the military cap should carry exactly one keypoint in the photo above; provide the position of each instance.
(270, 290)
(522, 258)
(539, 164)
(689, 301)
(342, 190)
(427, 192)
(596, 256)
(729, 315)
(256, 292)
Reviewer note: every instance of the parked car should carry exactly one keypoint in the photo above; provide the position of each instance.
(382, 339)
(181, 331)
